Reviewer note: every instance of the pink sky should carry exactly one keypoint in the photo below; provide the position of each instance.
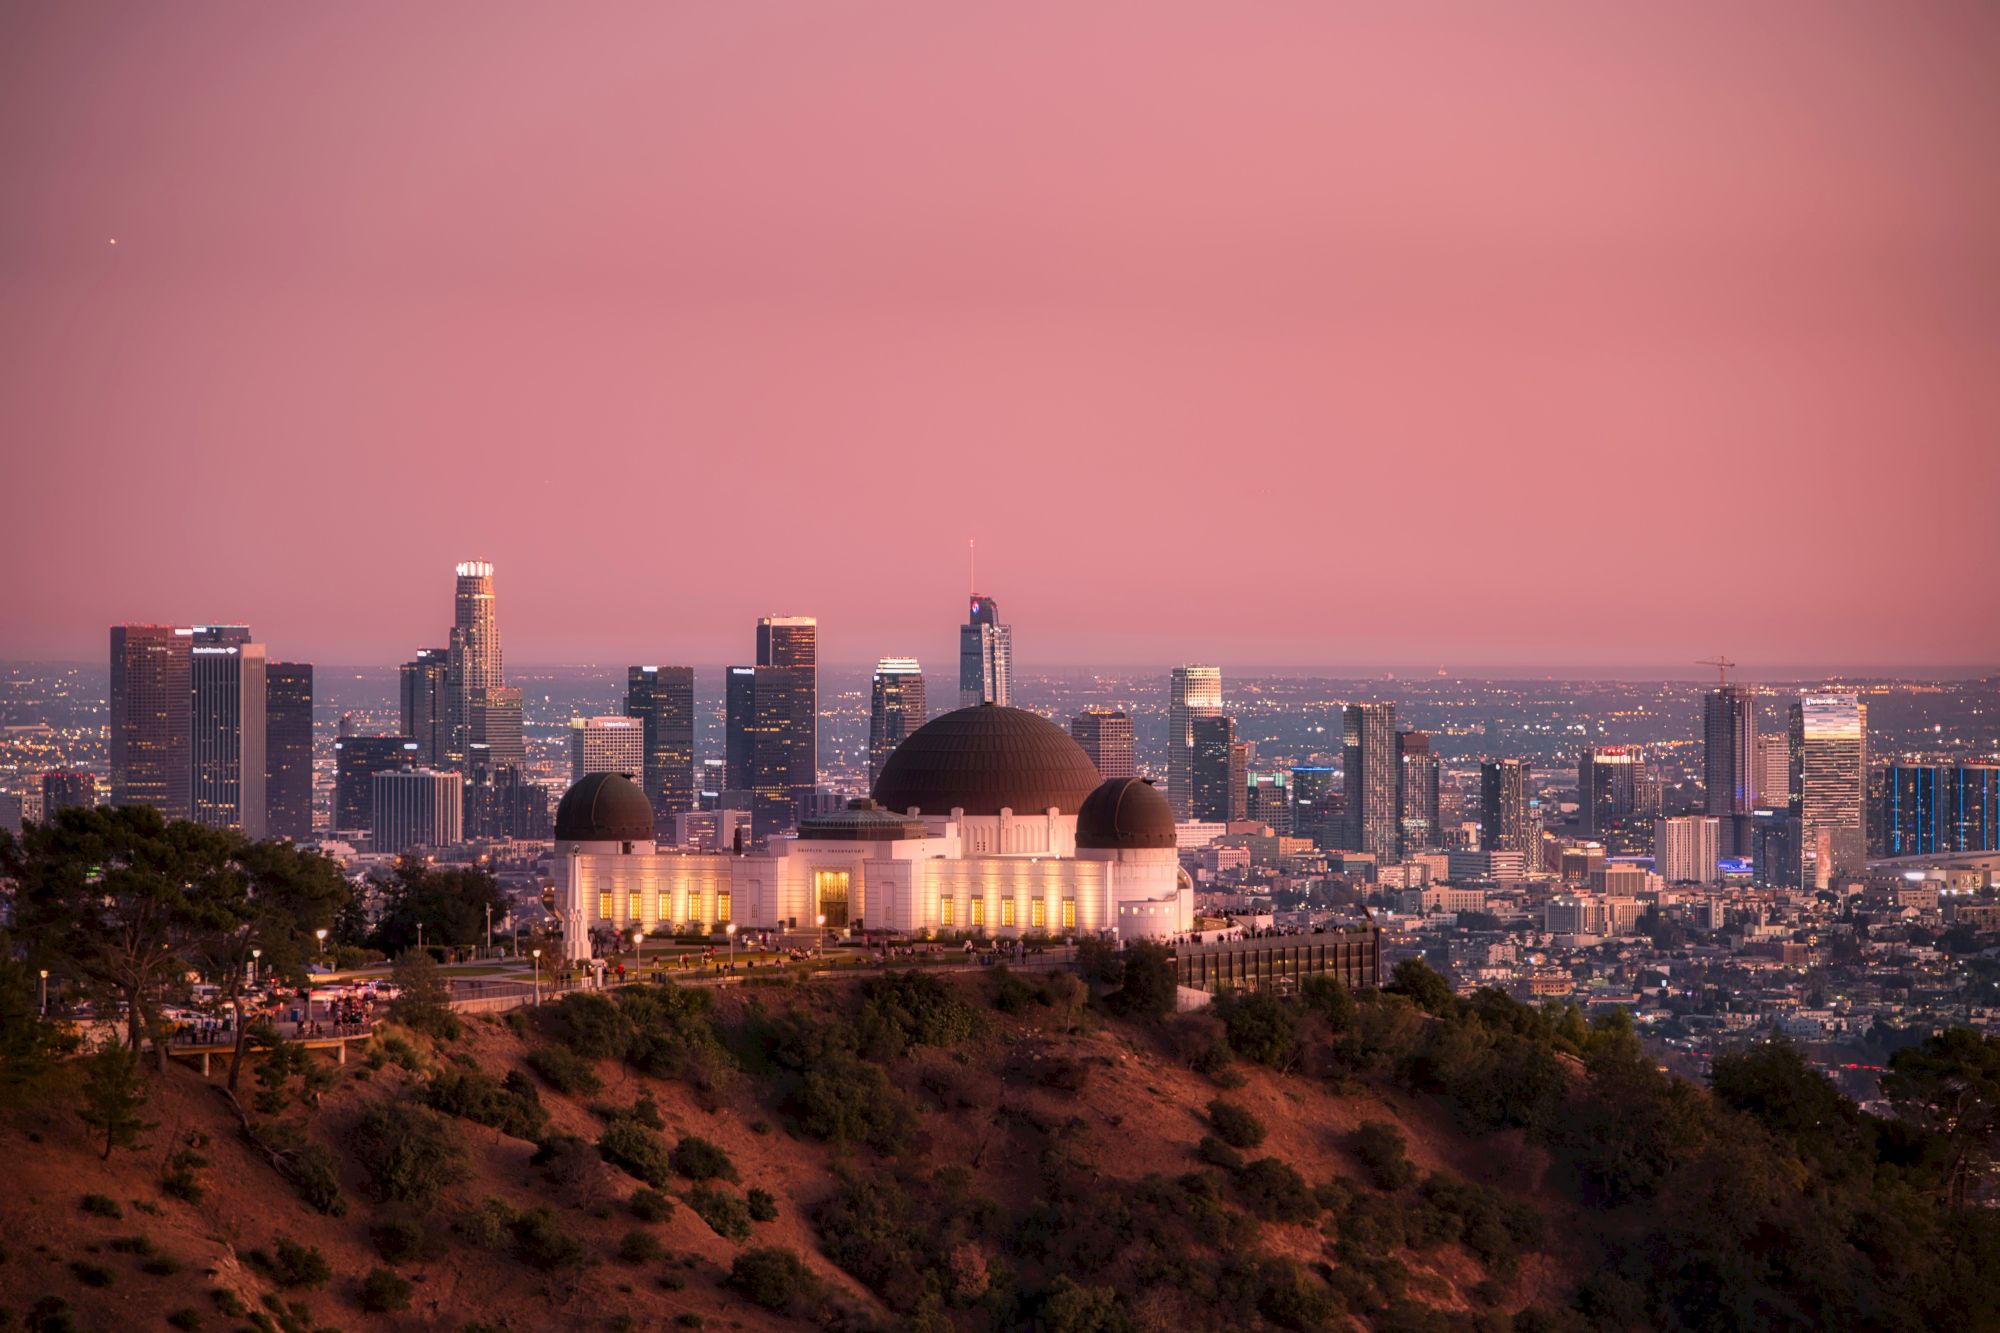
(1280, 333)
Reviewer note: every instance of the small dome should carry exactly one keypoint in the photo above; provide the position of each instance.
(983, 760)
(604, 807)
(1125, 814)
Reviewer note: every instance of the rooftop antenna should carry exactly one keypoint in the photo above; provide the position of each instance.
(971, 566)
(1722, 667)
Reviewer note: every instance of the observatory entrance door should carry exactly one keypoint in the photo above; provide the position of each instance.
(830, 889)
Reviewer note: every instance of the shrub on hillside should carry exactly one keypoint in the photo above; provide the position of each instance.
(726, 1213)
(1379, 1147)
(905, 1009)
(698, 1159)
(513, 1107)
(640, 1152)
(1260, 1027)
(565, 1070)
(1291, 1297)
(774, 1278)
(1325, 995)
(763, 1205)
(650, 1205)
(296, 1265)
(103, 1205)
(384, 1292)
(400, 1238)
(1234, 1124)
(589, 1024)
(1215, 1152)
(639, 1247)
(410, 1152)
(1427, 989)
(540, 1241)
(1274, 1191)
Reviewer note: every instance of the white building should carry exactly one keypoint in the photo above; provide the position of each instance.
(1687, 849)
(417, 807)
(987, 820)
(611, 744)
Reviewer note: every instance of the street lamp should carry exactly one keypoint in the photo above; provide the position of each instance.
(489, 927)
(420, 937)
(320, 935)
(638, 952)
(45, 992)
(729, 930)
(538, 978)
(255, 954)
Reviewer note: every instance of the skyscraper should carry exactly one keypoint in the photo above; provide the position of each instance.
(1729, 762)
(772, 742)
(662, 698)
(985, 657)
(424, 688)
(1106, 736)
(63, 790)
(1218, 767)
(610, 744)
(1193, 692)
(473, 662)
(1685, 849)
(1928, 809)
(1416, 791)
(356, 761)
(226, 677)
(1506, 822)
(1371, 772)
(895, 709)
(1316, 811)
(1607, 788)
(1773, 772)
(416, 807)
(1829, 742)
(1268, 800)
(149, 699)
(288, 750)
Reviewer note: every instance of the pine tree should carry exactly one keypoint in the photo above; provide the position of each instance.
(114, 1097)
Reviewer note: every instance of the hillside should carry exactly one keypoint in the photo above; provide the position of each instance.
(1105, 1102)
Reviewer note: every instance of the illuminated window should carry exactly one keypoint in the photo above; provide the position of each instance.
(1069, 914)
(945, 906)
(978, 911)
(1038, 913)
(632, 906)
(830, 892)
(604, 903)
(722, 907)
(1006, 911)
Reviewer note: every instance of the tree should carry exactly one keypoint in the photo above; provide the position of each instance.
(1950, 1085)
(112, 894)
(114, 1097)
(451, 905)
(423, 999)
(1150, 985)
(30, 1046)
(1415, 978)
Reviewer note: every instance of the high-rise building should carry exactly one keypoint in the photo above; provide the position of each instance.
(67, 790)
(288, 750)
(1416, 791)
(895, 709)
(610, 744)
(473, 661)
(226, 678)
(1607, 788)
(425, 691)
(150, 698)
(772, 724)
(1106, 736)
(1268, 800)
(1506, 820)
(497, 725)
(1316, 809)
(356, 761)
(13, 812)
(1829, 742)
(1193, 692)
(1774, 770)
(662, 698)
(985, 657)
(1218, 774)
(501, 803)
(739, 743)
(416, 807)
(1729, 762)
(1686, 849)
(1931, 809)
(1371, 774)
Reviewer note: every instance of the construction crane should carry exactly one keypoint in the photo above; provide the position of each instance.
(1722, 667)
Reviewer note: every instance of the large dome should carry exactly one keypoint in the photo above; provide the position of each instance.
(1126, 814)
(604, 807)
(983, 760)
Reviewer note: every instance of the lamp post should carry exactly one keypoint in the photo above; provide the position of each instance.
(320, 935)
(489, 927)
(538, 978)
(255, 954)
(729, 930)
(420, 937)
(45, 992)
(638, 952)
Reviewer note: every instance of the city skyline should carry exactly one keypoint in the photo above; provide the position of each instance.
(1490, 272)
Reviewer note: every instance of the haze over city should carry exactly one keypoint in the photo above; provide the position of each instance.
(1565, 336)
